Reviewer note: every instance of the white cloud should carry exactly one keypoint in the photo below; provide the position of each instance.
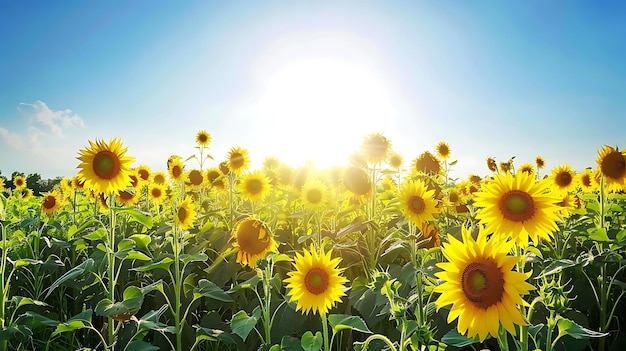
(40, 115)
(12, 139)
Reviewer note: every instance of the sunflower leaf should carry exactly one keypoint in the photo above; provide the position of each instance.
(342, 321)
(242, 324)
(72, 274)
(453, 338)
(556, 267)
(207, 288)
(138, 216)
(576, 331)
(311, 342)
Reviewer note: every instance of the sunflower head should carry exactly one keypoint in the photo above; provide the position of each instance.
(612, 166)
(203, 138)
(143, 172)
(271, 162)
(527, 168)
(175, 168)
(315, 283)
(104, 167)
(395, 160)
(519, 206)
(417, 202)
(159, 178)
(427, 163)
(238, 160)
(540, 162)
(443, 150)
(562, 179)
(1, 184)
(314, 194)
(491, 164)
(588, 181)
(356, 181)
(185, 214)
(51, 202)
(375, 148)
(254, 186)
(156, 193)
(479, 282)
(19, 182)
(127, 197)
(252, 241)
(195, 179)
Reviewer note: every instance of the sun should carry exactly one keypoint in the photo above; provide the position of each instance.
(324, 107)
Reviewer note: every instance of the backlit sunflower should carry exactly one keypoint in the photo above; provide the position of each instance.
(588, 181)
(159, 178)
(527, 168)
(127, 197)
(175, 168)
(195, 179)
(104, 167)
(271, 162)
(203, 138)
(443, 150)
(518, 206)
(185, 214)
(19, 182)
(315, 284)
(375, 148)
(51, 202)
(356, 181)
(314, 194)
(395, 160)
(238, 160)
(156, 193)
(562, 179)
(254, 186)
(491, 164)
(612, 165)
(252, 240)
(506, 167)
(480, 284)
(143, 172)
(417, 202)
(540, 162)
(427, 163)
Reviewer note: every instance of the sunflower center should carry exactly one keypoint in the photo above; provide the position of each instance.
(564, 179)
(177, 171)
(106, 164)
(314, 196)
(483, 283)
(49, 202)
(156, 192)
(195, 177)
(236, 160)
(417, 204)
(143, 174)
(252, 237)
(316, 280)
(613, 165)
(586, 181)
(182, 213)
(517, 205)
(254, 186)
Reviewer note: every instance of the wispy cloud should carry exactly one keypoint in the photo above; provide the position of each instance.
(12, 139)
(41, 117)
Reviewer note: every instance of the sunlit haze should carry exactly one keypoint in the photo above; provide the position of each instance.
(307, 81)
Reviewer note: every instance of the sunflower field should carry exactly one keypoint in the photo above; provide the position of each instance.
(378, 254)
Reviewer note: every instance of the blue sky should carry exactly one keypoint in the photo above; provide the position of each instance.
(304, 80)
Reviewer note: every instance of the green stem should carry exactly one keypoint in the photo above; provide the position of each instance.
(177, 289)
(111, 268)
(3, 266)
(379, 337)
(325, 331)
(267, 293)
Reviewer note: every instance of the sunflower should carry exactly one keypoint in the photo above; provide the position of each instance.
(443, 150)
(527, 168)
(1, 183)
(271, 162)
(612, 165)
(143, 172)
(357, 181)
(430, 233)
(104, 167)
(19, 182)
(540, 162)
(395, 160)
(127, 197)
(25, 193)
(238, 160)
(315, 284)
(357, 159)
(159, 178)
(427, 163)
(195, 179)
(203, 138)
(156, 193)
(51, 202)
(175, 168)
(254, 186)
(252, 240)
(375, 148)
(77, 183)
(480, 284)
(314, 194)
(587, 181)
(562, 179)
(491, 164)
(185, 214)
(417, 202)
(518, 206)
(506, 167)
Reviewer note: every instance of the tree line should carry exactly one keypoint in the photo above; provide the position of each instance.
(33, 182)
